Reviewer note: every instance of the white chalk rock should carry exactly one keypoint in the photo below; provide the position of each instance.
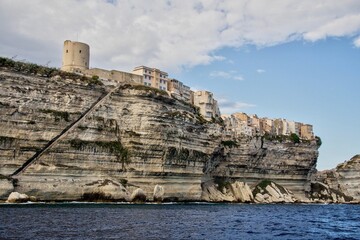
(16, 197)
(159, 193)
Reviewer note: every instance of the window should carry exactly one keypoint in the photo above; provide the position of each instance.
(79, 51)
(67, 51)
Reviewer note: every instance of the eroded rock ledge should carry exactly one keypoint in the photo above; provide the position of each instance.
(343, 182)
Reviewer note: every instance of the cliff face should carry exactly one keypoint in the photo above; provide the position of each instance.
(344, 178)
(137, 137)
(288, 164)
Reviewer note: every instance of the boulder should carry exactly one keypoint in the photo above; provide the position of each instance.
(158, 193)
(242, 192)
(259, 198)
(320, 192)
(211, 193)
(138, 195)
(16, 197)
(114, 189)
(270, 192)
(33, 199)
(104, 191)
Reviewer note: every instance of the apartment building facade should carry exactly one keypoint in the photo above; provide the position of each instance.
(153, 77)
(208, 105)
(242, 124)
(179, 90)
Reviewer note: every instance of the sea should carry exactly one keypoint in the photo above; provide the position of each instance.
(38, 221)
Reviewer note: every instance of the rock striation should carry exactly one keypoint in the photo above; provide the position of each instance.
(138, 138)
(270, 192)
(344, 179)
(218, 191)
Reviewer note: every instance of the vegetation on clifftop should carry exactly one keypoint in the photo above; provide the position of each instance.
(318, 141)
(145, 88)
(43, 71)
(294, 138)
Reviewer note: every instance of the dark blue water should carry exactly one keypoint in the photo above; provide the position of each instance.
(179, 221)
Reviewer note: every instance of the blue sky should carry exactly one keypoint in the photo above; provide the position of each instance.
(316, 83)
(290, 59)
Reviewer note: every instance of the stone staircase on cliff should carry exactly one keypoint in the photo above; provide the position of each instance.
(63, 133)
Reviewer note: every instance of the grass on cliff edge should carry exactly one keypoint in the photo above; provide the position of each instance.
(43, 71)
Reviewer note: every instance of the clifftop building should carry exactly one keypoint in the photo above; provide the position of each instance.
(207, 104)
(242, 124)
(152, 77)
(76, 59)
(76, 56)
(180, 91)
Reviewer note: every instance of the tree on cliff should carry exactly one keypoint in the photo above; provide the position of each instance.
(295, 138)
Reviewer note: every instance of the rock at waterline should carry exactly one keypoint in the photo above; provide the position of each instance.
(158, 193)
(270, 192)
(16, 197)
(138, 196)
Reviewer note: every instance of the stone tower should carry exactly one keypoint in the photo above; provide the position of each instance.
(76, 56)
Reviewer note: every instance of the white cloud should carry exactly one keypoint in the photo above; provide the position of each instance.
(343, 26)
(169, 35)
(357, 42)
(260, 70)
(228, 107)
(226, 75)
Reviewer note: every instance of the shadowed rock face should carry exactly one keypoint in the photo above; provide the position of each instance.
(138, 138)
(344, 178)
(288, 164)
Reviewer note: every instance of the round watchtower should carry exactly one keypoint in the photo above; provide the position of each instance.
(76, 56)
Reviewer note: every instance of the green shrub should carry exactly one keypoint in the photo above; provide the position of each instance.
(294, 138)
(44, 71)
(318, 141)
(148, 89)
(123, 182)
(229, 143)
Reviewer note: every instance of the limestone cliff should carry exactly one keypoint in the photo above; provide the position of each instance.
(251, 160)
(345, 178)
(138, 137)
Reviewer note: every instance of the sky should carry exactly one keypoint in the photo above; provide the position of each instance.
(298, 60)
